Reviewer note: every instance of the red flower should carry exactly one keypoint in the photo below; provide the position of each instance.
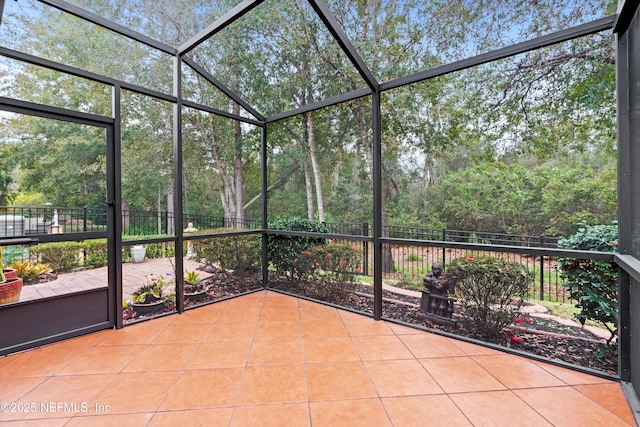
(344, 261)
(469, 258)
(528, 319)
(515, 339)
(308, 253)
(517, 320)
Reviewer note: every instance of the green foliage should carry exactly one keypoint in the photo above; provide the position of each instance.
(149, 292)
(332, 268)
(491, 291)
(283, 250)
(61, 256)
(30, 271)
(243, 254)
(412, 257)
(192, 278)
(593, 283)
(95, 252)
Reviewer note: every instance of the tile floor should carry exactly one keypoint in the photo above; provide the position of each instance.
(272, 360)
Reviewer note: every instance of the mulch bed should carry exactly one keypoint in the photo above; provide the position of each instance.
(544, 337)
(220, 285)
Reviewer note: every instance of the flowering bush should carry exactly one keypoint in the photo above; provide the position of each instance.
(331, 267)
(490, 290)
(283, 250)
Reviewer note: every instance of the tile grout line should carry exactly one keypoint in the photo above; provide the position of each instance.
(246, 362)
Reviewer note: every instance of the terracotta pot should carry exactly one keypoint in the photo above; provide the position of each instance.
(10, 290)
(10, 273)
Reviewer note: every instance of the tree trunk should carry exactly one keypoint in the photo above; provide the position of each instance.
(311, 209)
(317, 174)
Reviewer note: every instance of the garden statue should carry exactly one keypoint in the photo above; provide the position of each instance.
(435, 282)
(436, 306)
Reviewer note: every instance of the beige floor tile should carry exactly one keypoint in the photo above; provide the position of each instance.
(565, 406)
(427, 411)
(517, 372)
(460, 374)
(277, 415)
(401, 378)
(201, 389)
(329, 349)
(497, 408)
(426, 345)
(335, 381)
(276, 352)
(137, 391)
(225, 354)
(610, 396)
(270, 329)
(367, 327)
(381, 348)
(273, 384)
(218, 417)
(349, 413)
(162, 357)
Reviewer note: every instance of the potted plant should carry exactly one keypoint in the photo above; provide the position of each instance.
(148, 297)
(11, 286)
(193, 288)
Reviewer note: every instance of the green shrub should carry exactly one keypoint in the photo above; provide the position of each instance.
(61, 256)
(95, 252)
(283, 250)
(412, 257)
(332, 268)
(594, 284)
(243, 254)
(490, 290)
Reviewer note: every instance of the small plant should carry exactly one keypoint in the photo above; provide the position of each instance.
(592, 283)
(412, 257)
(30, 271)
(490, 290)
(192, 278)
(150, 292)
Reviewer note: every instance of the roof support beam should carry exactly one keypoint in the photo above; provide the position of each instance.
(332, 24)
(220, 113)
(222, 87)
(35, 60)
(593, 27)
(109, 25)
(224, 21)
(320, 104)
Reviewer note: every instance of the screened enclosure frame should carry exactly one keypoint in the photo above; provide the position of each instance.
(624, 24)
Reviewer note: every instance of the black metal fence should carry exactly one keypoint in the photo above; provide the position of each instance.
(406, 263)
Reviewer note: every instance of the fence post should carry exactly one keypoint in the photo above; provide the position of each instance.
(365, 247)
(84, 219)
(444, 250)
(542, 271)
